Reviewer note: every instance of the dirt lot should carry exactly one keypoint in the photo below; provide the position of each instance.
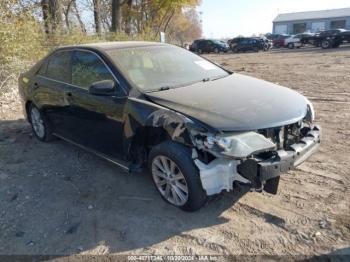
(57, 199)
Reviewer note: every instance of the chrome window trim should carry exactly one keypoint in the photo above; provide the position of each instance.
(88, 51)
(58, 81)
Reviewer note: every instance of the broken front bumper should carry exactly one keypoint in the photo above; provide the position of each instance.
(259, 174)
(264, 173)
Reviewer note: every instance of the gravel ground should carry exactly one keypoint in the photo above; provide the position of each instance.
(57, 199)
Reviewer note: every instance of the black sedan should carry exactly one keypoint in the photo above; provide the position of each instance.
(197, 127)
(208, 46)
(248, 44)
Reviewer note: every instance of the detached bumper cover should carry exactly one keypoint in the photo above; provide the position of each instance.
(260, 171)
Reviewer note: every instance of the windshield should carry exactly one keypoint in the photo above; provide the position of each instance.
(161, 67)
(218, 42)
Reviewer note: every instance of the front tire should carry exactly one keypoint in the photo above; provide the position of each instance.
(175, 176)
(40, 124)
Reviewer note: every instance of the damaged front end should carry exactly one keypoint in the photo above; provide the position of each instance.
(256, 158)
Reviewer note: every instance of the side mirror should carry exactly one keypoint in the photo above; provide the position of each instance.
(103, 88)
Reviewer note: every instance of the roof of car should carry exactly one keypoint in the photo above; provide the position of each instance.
(116, 45)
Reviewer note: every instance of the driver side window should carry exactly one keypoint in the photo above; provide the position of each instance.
(87, 69)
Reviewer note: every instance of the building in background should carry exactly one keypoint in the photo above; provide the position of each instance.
(313, 21)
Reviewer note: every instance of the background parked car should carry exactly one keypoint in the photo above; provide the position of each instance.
(249, 44)
(208, 46)
(267, 43)
(224, 43)
(280, 41)
(346, 35)
(306, 38)
(330, 38)
(233, 42)
(293, 42)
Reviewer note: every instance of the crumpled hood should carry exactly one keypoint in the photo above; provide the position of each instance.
(235, 103)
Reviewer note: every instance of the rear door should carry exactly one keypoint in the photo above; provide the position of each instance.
(210, 46)
(50, 86)
(243, 45)
(254, 44)
(206, 46)
(201, 45)
(96, 121)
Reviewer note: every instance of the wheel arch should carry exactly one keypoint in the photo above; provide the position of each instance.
(27, 105)
(161, 125)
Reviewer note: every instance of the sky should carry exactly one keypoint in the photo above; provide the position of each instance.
(229, 18)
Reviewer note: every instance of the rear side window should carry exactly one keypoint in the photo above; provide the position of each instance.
(59, 66)
(87, 69)
(42, 70)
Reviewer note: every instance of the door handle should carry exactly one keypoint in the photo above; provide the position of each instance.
(69, 94)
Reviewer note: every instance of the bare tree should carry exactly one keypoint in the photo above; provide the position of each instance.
(46, 15)
(67, 10)
(77, 14)
(97, 16)
(117, 15)
(52, 15)
(128, 17)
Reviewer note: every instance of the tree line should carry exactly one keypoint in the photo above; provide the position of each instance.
(30, 28)
(177, 18)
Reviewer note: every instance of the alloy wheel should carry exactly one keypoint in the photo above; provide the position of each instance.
(325, 44)
(169, 180)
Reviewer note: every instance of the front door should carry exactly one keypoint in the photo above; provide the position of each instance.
(96, 121)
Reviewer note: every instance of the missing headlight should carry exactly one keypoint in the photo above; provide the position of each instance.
(239, 145)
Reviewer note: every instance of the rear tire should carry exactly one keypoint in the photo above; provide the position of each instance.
(40, 125)
(325, 44)
(180, 155)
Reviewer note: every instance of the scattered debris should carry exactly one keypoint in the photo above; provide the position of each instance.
(325, 224)
(317, 234)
